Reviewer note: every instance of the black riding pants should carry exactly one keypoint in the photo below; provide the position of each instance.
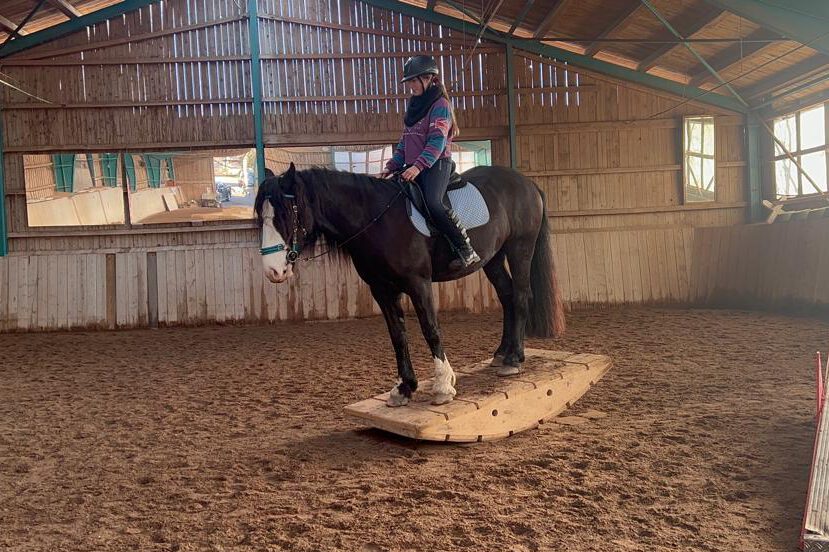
(434, 181)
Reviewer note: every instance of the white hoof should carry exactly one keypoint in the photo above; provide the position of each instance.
(497, 361)
(396, 398)
(444, 384)
(442, 398)
(508, 371)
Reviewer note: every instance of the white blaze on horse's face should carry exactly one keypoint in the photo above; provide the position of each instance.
(276, 266)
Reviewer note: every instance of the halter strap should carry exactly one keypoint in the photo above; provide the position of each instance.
(272, 249)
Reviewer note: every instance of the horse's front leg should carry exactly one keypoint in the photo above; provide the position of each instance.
(443, 390)
(389, 301)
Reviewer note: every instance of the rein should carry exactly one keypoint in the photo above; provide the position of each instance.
(293, 254)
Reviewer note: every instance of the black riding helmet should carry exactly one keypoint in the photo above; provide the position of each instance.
(419, 65)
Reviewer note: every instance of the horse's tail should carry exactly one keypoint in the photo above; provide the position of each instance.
(546, 316)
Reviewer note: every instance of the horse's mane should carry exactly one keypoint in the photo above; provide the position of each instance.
(310, 184)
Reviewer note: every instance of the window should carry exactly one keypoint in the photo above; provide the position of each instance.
(471, 154)
(699, 166)
(361, 159)
(186, 186)
(73, 189)
(803, 134)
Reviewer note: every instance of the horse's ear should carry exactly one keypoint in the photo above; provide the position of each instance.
(289, 178)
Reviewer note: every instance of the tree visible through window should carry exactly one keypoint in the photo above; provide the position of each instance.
(699, 165)
(804, 135)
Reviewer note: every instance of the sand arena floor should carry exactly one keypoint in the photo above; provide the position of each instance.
(232, 438)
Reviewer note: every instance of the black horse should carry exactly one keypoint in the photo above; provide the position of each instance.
(367, 218)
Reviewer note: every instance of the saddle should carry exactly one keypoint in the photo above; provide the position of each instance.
(416, 199)
(461, 195)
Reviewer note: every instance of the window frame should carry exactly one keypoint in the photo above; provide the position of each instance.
(701, 155)
(798, 153)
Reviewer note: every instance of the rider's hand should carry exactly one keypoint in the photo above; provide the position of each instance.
(410, 173)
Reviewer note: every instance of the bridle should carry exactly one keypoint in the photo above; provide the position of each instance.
(295, 249)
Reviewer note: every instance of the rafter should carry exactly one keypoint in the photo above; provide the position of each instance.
(551, 16)
(620, 22)
(687, 31)
(803, 21)
(789, 77)
(733, 55)
(520, 19)
(430, 5)
(66, 8)
(71, 26)
(7, 25)
(567, 56)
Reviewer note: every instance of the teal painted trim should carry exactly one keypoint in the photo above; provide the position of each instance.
(256, 84)
(73, 25)
(804, 21)
(129, 165)
(586, 62)
(755, 169)
(511, 108)
(4, 231)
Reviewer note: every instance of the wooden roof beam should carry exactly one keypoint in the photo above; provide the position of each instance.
(620, 22)
(430, 5)
(521, 16)
(66, 8)
(734, 55)
(803, 21)
(687, 31)
(788, 78)
(551, 16)
(7, 25)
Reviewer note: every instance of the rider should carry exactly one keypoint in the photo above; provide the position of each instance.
(426, 149)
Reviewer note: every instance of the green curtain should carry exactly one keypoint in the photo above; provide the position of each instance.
(171, 174)
(64, 167)
(153, 165)
(129, 164)
(109, 165)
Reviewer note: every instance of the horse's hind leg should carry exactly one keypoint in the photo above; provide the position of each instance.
(389, 302)
(519, 255)
(443, 389)
(497, 274)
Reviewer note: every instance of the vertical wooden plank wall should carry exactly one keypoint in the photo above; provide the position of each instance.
(777, 266)
(177, 76)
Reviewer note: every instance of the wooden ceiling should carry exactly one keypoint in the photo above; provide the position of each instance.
(756, 61)
(51, 12)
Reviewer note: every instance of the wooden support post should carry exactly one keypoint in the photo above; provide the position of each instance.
(256, 84)
(4, 231)
(511, 108)
(754, 163)
(152, 289)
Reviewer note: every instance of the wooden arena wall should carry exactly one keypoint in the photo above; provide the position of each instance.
(607, 153)
(779, 266)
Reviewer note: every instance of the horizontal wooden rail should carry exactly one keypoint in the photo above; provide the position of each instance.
(41, 54)
(647, 210)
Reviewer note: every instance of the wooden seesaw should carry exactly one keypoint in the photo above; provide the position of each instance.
(490, 407)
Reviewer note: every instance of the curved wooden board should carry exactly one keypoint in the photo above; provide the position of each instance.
(487, 406)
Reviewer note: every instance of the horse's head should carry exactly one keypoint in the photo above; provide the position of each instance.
(283, 216)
